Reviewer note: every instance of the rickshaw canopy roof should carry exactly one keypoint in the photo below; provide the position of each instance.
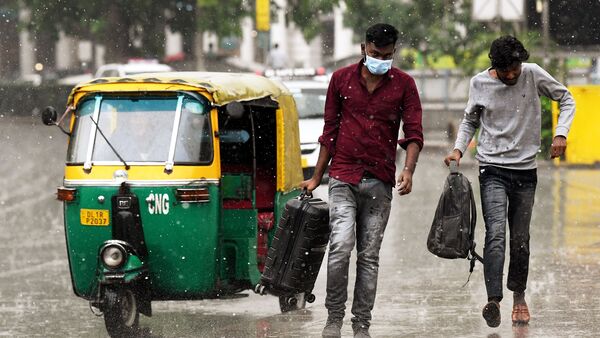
(223, 87)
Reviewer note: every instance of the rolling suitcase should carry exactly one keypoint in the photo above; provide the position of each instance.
(297, 249)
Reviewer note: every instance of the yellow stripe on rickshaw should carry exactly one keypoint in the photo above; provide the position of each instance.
(146, 172)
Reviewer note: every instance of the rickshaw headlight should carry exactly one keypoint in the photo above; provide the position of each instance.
(113, 256)
(120, 175)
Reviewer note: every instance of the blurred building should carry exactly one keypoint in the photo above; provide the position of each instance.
(9, 56)
(19, 59)
(334, 43)
(575, 29)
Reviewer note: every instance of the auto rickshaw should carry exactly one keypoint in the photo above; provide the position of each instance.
(172, 186)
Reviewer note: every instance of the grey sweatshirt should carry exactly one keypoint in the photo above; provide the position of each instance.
(509, 117)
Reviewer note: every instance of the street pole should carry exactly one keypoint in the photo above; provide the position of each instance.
(263, 28)
(546, 30)
(498, 16)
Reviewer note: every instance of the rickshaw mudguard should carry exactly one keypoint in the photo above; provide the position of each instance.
(132, 271)
(179, 238)
(133, 275)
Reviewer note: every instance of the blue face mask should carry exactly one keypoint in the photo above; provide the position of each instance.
(376, 66)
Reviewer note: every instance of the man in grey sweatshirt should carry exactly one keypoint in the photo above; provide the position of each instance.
(504, 103)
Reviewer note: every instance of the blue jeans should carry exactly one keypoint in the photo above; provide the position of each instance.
(506, 194)
(358, 214)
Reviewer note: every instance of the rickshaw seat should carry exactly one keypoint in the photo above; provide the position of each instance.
(264, 187)
(236, 188)
(235, 168)
(236, 204)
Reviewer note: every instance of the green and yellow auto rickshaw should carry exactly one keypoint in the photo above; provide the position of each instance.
(172, 186)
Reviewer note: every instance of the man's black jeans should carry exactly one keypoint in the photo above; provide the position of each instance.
(506, 194)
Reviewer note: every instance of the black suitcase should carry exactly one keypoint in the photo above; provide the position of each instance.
(297, 249)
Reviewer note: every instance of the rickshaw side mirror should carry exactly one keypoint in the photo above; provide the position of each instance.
(49, 116)
(235, 110)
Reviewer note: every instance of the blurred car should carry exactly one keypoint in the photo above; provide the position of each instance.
(131, 68)
(595, 71)
(134, 66)
(309, 95)
(32, 79)
(73, 80)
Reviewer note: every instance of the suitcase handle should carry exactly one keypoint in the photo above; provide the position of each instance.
(305, 194)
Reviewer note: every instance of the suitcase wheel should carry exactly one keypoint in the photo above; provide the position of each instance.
(260, 289)
(292, 303)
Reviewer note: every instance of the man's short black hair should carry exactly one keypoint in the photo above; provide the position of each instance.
(382, 34)
(505, 51)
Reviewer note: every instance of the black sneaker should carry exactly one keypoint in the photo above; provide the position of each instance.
(332, 329)
(362, 332)
(491, 314)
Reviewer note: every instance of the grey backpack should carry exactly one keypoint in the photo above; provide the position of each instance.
(453, 229)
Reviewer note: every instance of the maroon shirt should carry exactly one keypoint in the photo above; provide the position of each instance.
(361, 129)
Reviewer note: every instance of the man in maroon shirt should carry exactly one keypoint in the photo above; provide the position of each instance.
(365, 104)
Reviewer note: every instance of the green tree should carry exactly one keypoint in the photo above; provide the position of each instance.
(222, 17)
(306, 15)
(126, 27)
(433, 27)
(9, 55)
(194, 17)
(130, 28)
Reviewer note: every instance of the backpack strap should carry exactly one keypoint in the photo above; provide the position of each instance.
(473, 256)
(453, 167)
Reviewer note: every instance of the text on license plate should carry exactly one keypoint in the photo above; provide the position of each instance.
(96, 217)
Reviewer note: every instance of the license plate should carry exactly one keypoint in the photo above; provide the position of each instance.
(304, 162)
(95, 217)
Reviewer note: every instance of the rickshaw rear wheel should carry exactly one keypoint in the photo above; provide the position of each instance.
(121, 313)
(292, 303)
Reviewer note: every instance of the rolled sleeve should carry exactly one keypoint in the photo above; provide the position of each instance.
(412, 118)
(472, 118)
(468, 126)
(550, 87)
(328, 143)
(332, 115)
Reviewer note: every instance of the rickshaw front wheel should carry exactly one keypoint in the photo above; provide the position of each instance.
(292, 303)
(121, 313)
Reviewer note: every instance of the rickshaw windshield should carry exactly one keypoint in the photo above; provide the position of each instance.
(140, 129)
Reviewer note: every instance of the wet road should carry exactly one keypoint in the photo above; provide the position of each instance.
(419, 295)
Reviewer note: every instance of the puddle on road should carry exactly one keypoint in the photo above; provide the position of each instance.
(576, 219)
(418, 294)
